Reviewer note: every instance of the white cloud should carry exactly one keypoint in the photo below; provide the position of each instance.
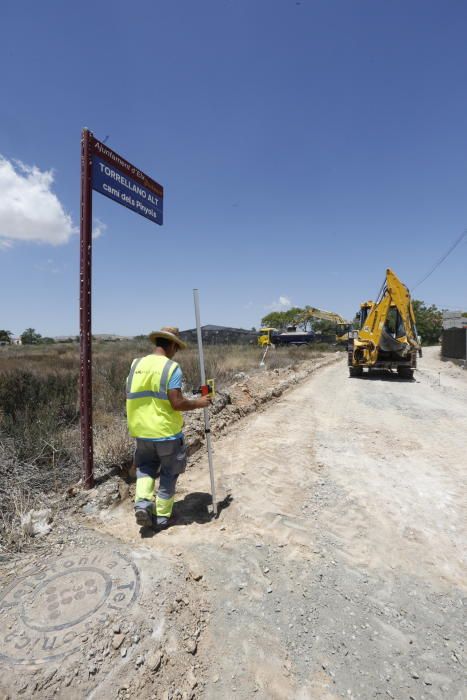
(281, 305)
(98, 228)
(29, 210)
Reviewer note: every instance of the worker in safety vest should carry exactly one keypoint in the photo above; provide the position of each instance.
(154, 404)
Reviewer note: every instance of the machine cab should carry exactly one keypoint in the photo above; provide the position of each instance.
(265, 336)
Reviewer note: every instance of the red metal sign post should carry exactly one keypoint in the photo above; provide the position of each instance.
(85, 310)
(110, 174)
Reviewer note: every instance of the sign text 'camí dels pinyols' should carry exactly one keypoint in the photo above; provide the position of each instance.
(121, 181)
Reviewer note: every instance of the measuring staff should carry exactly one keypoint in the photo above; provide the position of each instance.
(205, 386)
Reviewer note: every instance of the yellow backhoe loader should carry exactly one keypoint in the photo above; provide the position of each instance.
(388, 335)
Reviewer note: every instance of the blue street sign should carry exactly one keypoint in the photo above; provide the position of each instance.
(119, 186)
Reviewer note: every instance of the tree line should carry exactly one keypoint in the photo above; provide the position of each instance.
(30, 337)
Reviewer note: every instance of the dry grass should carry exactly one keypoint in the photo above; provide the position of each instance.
(113, 447)
(39, 413)
(24, 486)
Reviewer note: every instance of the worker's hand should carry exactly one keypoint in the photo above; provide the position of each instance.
(204, 402)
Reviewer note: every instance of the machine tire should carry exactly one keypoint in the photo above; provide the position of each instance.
(405, 372)
(355, 371)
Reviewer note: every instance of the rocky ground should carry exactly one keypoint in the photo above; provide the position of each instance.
(335, 567)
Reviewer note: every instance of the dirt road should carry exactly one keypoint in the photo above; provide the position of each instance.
(336, 566)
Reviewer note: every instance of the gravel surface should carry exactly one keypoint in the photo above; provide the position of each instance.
(335, 568)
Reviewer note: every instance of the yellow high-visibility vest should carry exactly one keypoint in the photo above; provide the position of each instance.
(148, 409)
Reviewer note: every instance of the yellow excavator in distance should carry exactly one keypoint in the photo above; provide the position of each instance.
(271, 336)
(387, 337)
(342, 326)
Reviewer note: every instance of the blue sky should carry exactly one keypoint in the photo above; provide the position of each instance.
(303, 146)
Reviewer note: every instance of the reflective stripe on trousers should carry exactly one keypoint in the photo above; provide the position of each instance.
(162, 505)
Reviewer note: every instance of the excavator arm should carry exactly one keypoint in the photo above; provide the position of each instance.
(400, 296)
(312, 312)
(341, 325)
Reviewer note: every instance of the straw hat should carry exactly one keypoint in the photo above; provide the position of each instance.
(170, 333)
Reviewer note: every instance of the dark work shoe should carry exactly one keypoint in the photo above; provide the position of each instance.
(143, 517)
(159, 524)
